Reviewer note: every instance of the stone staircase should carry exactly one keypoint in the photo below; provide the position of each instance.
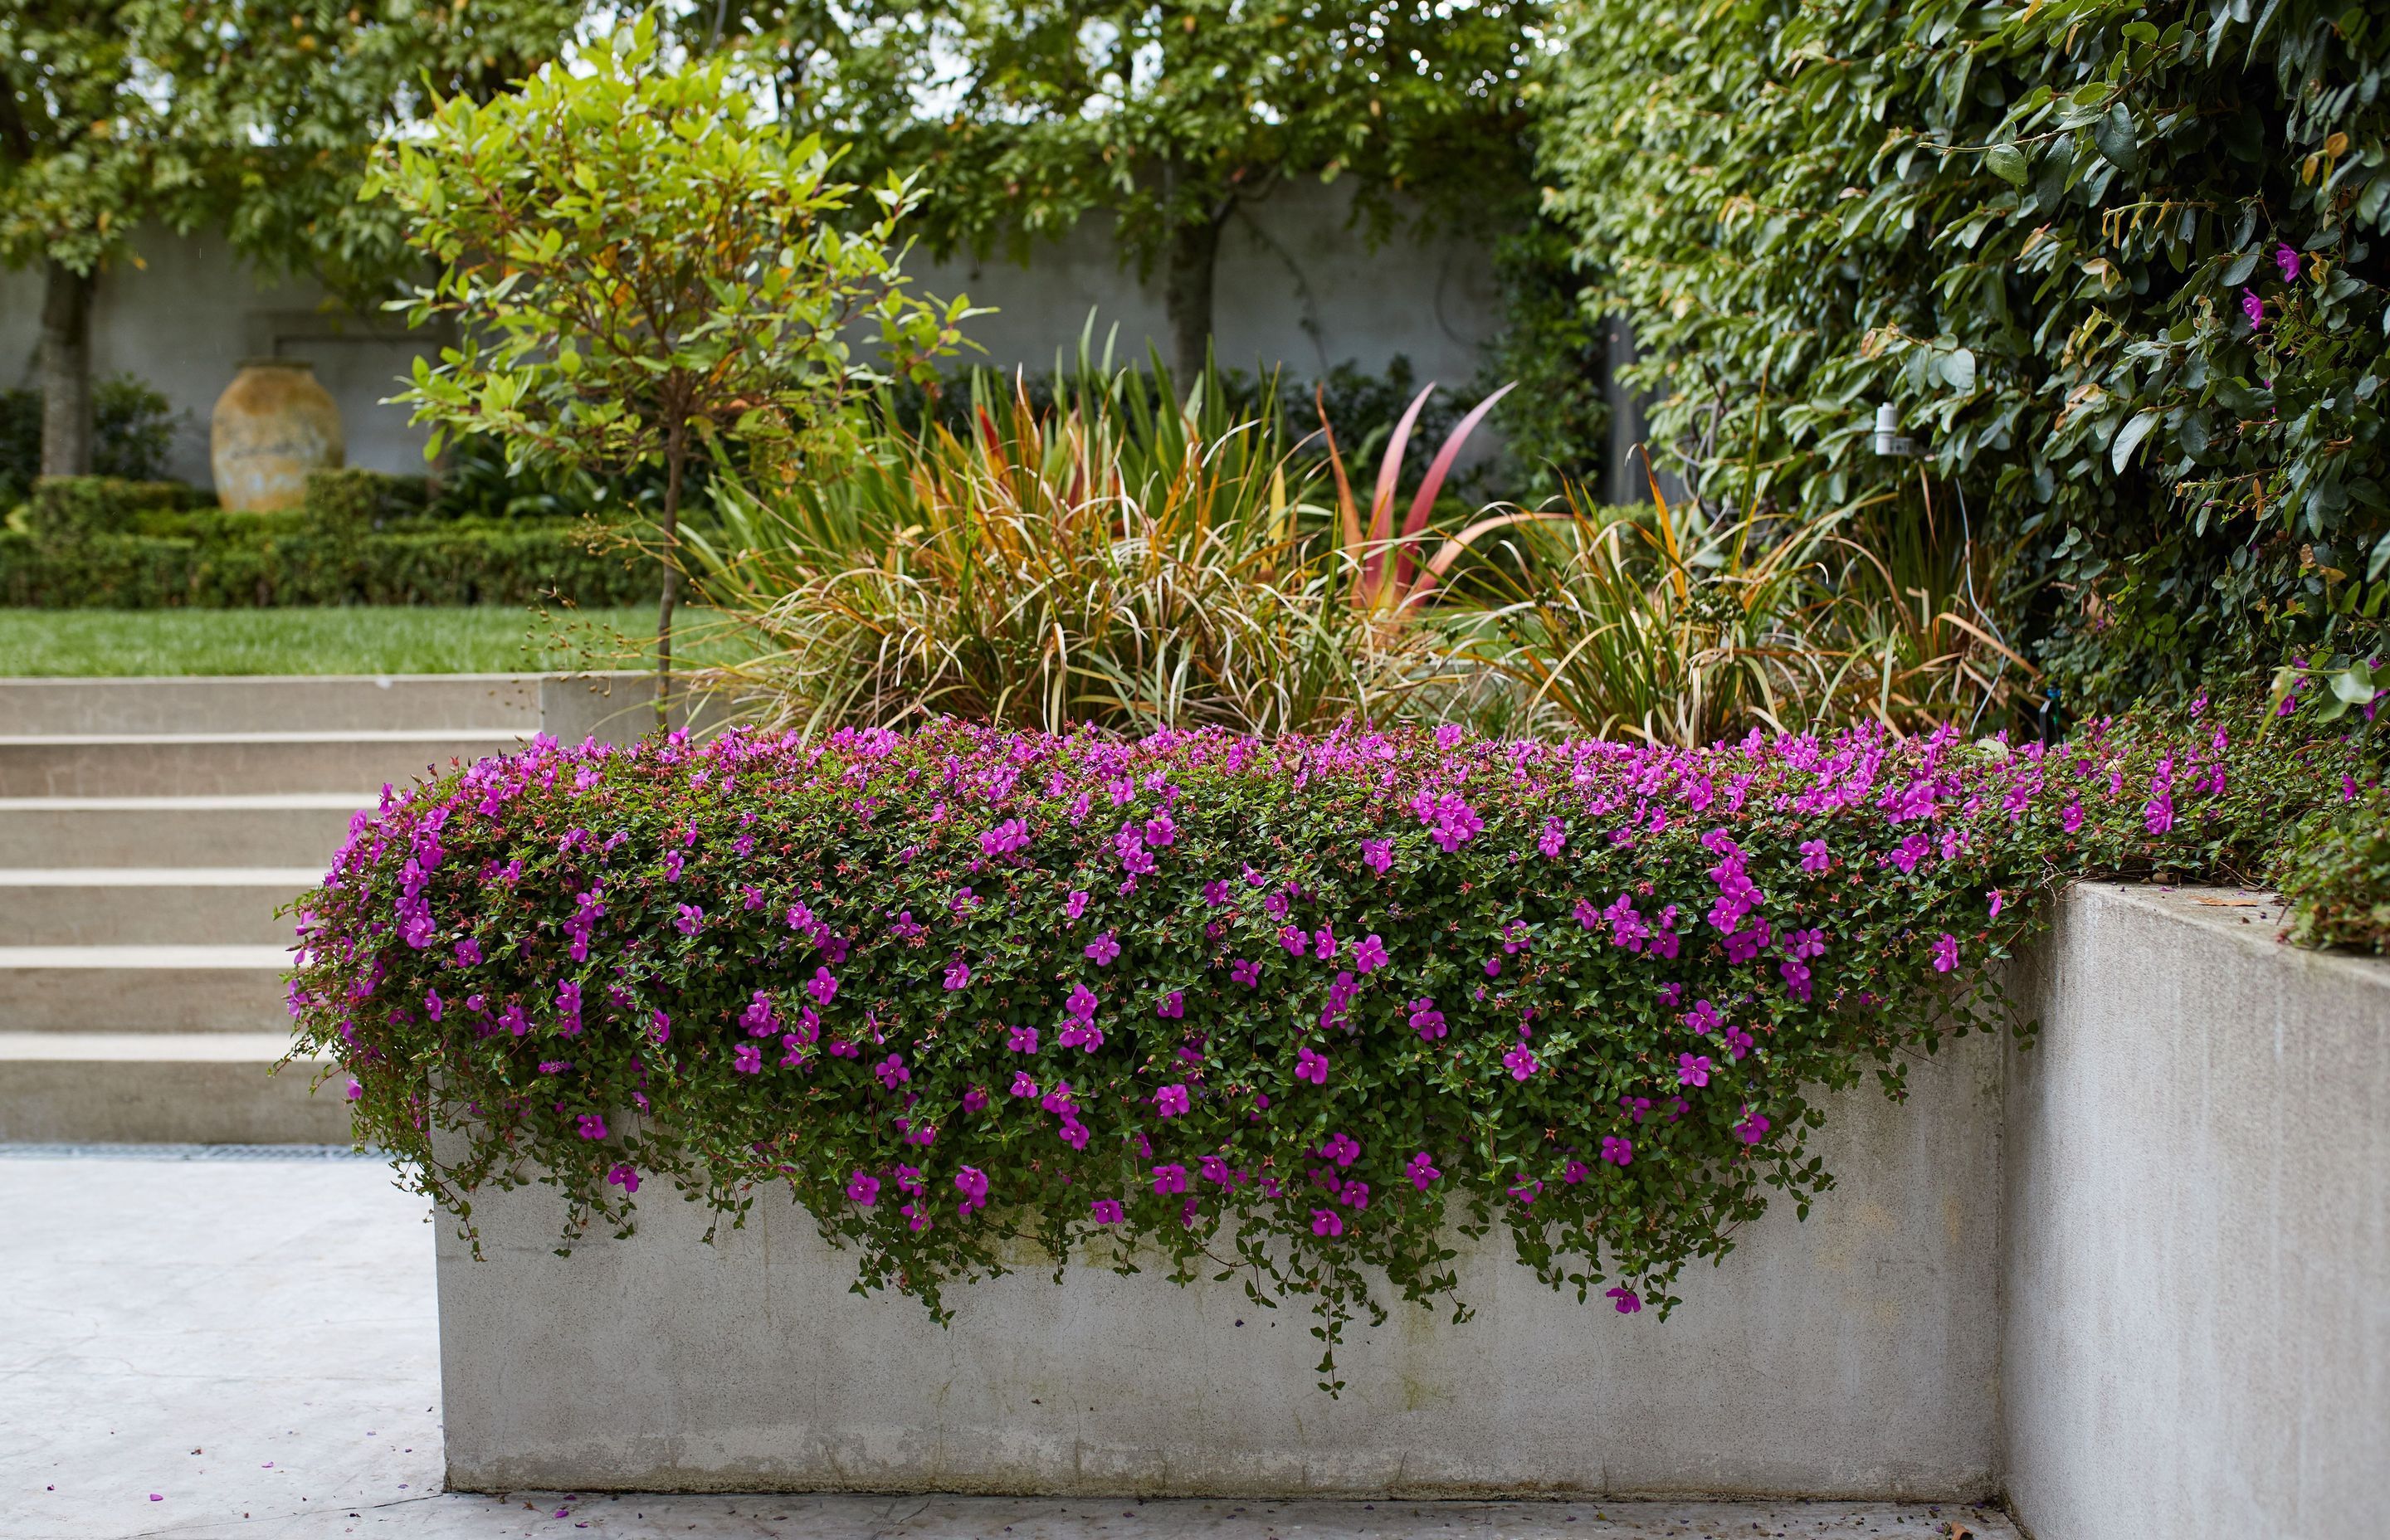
(151, 828)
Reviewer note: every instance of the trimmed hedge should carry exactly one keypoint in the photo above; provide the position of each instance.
(2336, 876)
(1280, 1007)
(361, 538)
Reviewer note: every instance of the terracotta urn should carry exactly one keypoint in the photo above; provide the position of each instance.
(272, 426)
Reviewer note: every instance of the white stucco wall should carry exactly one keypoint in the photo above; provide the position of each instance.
(1294, 286)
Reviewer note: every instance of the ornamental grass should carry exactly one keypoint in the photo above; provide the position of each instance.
(1287, 1009)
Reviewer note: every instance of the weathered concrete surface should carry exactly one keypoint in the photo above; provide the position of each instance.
(1851, 1355)
(2196, 1249)
(252, 1340)
(144, 1087)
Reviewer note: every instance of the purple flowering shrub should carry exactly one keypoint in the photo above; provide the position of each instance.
(1279, 1008)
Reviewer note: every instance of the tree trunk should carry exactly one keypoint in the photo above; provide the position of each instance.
(675, 462)
(1187, 296)
(66, 372)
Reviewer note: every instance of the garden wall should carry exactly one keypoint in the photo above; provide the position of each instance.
(2131, 1276)
(2195, 1246)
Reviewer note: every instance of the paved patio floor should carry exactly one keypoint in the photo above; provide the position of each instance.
(204, 1344)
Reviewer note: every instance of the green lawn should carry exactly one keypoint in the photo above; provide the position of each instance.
(84, 643)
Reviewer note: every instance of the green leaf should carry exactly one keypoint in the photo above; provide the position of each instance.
(2006, 163)
(2115, 136)
(2129, 437)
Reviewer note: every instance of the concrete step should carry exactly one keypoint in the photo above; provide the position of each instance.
(146, 905)
(467, 702)
(129, 1087)
(167, 989)
(150, 764)
(296, 828)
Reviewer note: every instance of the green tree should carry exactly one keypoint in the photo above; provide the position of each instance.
(646, 266)
(2120, 267)
(241, 115)
(1027, 115)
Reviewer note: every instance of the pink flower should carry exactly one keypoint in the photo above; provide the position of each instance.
(1426, 1019)
(1021, 1085)
(1169, 1180)
(1752, 1129)
(1325, 1223)
(356, 1092)
(971, 1183)
(431, 1006)
(1023, 1040)
(1108, 1210)
(1692, 1070)
(1341, 1148)
(1354, 1196)
(1082, 1003)
(974, 1099)
(1171, 1102)
(625, 1177)
(692, 919)
(469, 952)
(1997, 900)
(1519, 1061)
(822, 986)
(2253, 308)
(2072, 819)
(1945, 953)
(1215, 892)
(1493, 968)
(1172, 1006)
(1244, 971)
(1629, 1302)
(1311, 1067)
(1077, 904)
(747, 1059)
(1324, 944)
(1295, 939)
(891, 1071)
(863, 1190)
(1421, 1171)
(1103, 949)
(591, 1125)
(1618, 1151)
(1814, 857)
(2288, 261)
(1378, 856)
(958, 974)
(1370, 954)
(1574, 1173)
(1808, 943)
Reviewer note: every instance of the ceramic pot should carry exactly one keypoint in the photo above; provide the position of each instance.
(272, 426)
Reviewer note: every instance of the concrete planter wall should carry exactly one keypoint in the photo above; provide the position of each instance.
(1917, 1337)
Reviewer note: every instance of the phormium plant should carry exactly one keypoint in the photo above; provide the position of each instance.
(1286, 1008)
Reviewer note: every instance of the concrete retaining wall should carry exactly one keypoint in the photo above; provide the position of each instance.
(2132, 1277)
(2195, 1249)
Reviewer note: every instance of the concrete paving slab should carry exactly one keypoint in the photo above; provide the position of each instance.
(249, 1336)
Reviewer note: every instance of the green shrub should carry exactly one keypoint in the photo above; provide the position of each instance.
(1293, 1006)
(2335, 875)
(65, 509)
(2042, 233)
(133, 429)
(353, 502)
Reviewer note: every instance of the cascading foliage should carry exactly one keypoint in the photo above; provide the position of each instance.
(1278, 1007)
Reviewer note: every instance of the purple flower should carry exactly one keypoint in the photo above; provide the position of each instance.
(1295, 940)
(958, 974)
(891, 1071)
(2253, 308)
(974, 1099)
(1814, 857)
(1023, 1040)
(591, 1125)
(1998, 899)
(431, 1006)
(1171, 1102)
(469, 952)
(2072, 819)
(1311, 1067)
(356, 1092)
(692, 919)
(1343, 1149)
(1807, 943)
(1628, 1303)
(625, 1177)
(1945, 953)
(1421, 1171)
(1426, 1019)
(1618, 1151)
(1519, 1061)
(1325, 1223)
(1574, 1173)
(1080, 1005)
(1160, 831)
(1103, 949)
(1378, 856)
(1752, 1129)
(1215, 892)
(1173, 1006)
(1493, 968)
(2288, 261)
(2159, 816)
(1324, 944)
(1004, 838)
(1692, 1070)
(1370, 954)
(747, 1059)
(1169, 1180)
(1245, 972)
(1021, 1085)
(971, 1183)
(1551, 840)
(1353, 1196)
(822, 986)
(863, 1189)
(1108, 1210)
(1077, 904)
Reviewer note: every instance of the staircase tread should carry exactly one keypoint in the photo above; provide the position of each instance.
(343, 734)
(161, 877)
(214, 801)
(208, 1047)
(159, 954)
